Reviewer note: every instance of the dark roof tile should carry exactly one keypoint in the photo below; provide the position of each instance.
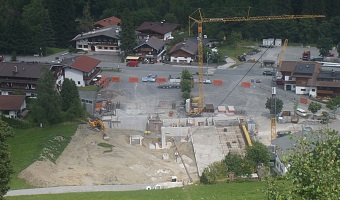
(11, 102)
(85, 63)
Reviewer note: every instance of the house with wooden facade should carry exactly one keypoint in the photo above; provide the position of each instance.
(160, 30)
(104, 39)
(310, 78)
(23, 77)
(151, 50)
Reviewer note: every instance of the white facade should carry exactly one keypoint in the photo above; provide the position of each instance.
(167, 36)
(76, 75)
(302, 90)
(85, 46)
(180, 59)
(312, 91)
(280, 166)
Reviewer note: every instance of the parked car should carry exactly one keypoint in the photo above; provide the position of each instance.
(152, 78)
(144, 79)
(149, 78)
(268, 73)
(301, 112)
(207, 81)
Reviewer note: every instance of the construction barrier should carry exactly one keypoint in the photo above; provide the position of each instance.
(102, 80)
(133, 79)
(218, 82)
(106, 83)
(246, 84)
(160, 80)
(304, 100)
(115, 79)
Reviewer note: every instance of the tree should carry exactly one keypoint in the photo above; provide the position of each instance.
(70, 99)
(128, 36)
(324, 45)
(46, 109)
(234, 38)
(5, 163)
(36, 18)
(234, 163)
(271, 105)
(68, 93)
(258, 153)
(334, 104)
(313, 172)
(314, 107)
(213, 173)
(62, 16)
(186, 82)
(86, 23)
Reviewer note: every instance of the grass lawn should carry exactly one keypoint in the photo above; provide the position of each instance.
(234, 191)
(27, 146)
(52, 50)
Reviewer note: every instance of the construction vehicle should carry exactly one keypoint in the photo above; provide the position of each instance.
(306, 55)
(98, 125)
(202, 20)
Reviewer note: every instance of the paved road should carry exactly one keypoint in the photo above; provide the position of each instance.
(96, 188)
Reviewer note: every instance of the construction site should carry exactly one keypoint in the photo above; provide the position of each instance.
(153, 137)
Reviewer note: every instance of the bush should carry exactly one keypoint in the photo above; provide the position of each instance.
(14, 123)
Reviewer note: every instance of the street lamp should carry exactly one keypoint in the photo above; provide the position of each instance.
(208, 56)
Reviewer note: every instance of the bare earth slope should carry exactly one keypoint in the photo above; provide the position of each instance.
(83, 162)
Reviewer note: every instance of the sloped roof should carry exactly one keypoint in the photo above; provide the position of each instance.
(22, 70)
(157, 27)
(107, 22)
(109, 31)
(153, 42)
(85, 63)
(190, 45)
(302, 68)
(11, 102)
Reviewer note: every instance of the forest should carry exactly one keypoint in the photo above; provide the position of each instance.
(30, 26)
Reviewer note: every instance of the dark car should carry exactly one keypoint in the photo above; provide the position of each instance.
(268, 73)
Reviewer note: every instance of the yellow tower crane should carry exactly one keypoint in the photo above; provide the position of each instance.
(202, 20)
(279, 63)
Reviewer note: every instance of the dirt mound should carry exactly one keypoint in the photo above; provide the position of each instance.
(84, 162)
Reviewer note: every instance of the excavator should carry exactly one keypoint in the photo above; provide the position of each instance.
(98, 124)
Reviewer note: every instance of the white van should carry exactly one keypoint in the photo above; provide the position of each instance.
(301, 112)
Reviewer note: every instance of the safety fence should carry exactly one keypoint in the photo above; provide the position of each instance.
(133, 79)
(246, 84)
(115, 79)
(161, 80)
(218, 82)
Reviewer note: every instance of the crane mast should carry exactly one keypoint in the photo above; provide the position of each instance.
(202, 20)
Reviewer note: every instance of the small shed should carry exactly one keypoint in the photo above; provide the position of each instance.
(231, 109)
(209, 108)
(221, 109)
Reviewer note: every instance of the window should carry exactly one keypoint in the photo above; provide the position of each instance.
(111, 48)
(105, 47)
(80, 46)
(86, 46)
(99, 47)
(78, 82)
(303, 90)
(313, 90)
